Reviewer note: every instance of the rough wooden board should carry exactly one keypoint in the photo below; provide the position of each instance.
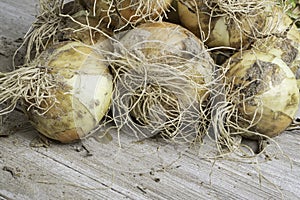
(147, 170)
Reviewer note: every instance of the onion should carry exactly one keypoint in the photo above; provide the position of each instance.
(118, 14)
(172, 45)
(264, 92)
(83, 94)
(163, 75)
(65, 92)
(76, 24)
(287, 48)
(234, 24)
(195, 16)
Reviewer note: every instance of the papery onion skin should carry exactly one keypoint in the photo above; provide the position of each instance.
(83, 92)
(268, 87)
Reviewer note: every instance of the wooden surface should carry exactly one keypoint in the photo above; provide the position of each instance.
(137, 170)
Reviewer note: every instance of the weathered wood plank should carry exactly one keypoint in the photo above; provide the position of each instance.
(28, 173)
(152, 169)
(16, 17)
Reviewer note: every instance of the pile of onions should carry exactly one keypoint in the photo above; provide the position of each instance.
(68, 92)
(164, 72)
(156, 77)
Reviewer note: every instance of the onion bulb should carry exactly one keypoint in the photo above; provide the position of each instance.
(265, 93)
(82, 92)
(172, 45)
(77, 24)
(195, 16)
(118, 14)
(164, 72)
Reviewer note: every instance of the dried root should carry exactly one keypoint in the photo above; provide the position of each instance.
(43, 30)
(32, 85)
(157, 99)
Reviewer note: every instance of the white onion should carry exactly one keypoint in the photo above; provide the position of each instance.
(164, 71)
(83, 92)
(264, 89)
